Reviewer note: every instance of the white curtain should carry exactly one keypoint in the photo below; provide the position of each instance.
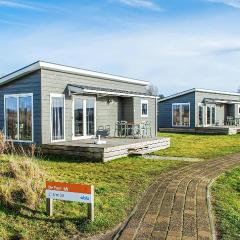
(57, 118)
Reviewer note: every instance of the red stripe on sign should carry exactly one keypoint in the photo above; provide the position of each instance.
(68, 187)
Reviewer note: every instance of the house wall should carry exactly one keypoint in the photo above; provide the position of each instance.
(222, 110)
(165, 110)
(152, 114)
(28, 84)
(106, 113)
(127, 110)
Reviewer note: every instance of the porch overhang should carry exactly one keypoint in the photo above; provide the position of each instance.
(220, 101)
(101, 92)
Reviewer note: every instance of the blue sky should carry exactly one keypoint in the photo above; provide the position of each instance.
(175, 44)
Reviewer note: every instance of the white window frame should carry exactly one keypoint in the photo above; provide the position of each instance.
(64, 130)
(84, 98)
(5, 127)
(211, 106)
(144, 101)
(186, 126)
(238, 109)
(203, 114)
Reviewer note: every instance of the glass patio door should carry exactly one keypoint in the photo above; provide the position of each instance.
(84, 117)
(210, 115)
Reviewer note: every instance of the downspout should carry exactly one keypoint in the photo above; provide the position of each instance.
(156, 128)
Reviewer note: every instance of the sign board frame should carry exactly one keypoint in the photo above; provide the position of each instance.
(70, 192)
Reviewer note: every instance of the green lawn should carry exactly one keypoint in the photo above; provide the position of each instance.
(200, 146)
(226, 195)
(118, 184)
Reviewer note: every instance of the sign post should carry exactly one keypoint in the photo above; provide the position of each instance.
(49, 206)
(70, 192)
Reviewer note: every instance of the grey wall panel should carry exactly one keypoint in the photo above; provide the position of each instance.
(127, 109)
(28, 84)
(107, 113)
(165, 110)
(151, 112)
(54, 79)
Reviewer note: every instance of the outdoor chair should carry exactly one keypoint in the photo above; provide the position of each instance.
(117, 129)
(100, 131)
(138, 130)
(237, 121)
(124, 128)
(148, 129)
(107, 130)
(230, 121)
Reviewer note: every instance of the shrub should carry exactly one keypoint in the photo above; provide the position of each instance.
(25, 180)
(29, 180)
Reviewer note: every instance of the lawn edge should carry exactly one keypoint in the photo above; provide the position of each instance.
(211, 214)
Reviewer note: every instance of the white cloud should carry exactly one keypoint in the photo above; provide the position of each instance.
(231, 3)
(27, 5)
(147, 4)
(15, 4)
(174, 56)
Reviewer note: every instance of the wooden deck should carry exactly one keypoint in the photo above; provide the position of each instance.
(113, 149)
(218, 130)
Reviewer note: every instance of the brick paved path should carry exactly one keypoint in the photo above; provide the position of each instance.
(175, 206)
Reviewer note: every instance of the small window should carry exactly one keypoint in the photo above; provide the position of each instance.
(19, 117)
(238, 109)
(144, 108)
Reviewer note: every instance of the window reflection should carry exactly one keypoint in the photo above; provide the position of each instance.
(181, 114)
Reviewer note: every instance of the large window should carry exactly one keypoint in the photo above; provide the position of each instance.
(57, 117)
(19, 117)
(211, 115)
(181, 114)
(144, 108)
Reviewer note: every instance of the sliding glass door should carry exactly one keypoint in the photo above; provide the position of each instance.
(211, 115)
(84, 109)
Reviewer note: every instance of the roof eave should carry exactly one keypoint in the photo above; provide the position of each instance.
(20, 73)
(61, 68)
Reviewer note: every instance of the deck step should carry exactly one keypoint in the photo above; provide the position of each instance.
(138, 151)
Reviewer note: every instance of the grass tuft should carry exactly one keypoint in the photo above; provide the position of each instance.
(226, 204)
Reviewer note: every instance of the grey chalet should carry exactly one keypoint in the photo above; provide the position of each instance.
(46, 103)
(200, 110)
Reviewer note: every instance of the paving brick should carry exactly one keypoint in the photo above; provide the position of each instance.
(175, 207)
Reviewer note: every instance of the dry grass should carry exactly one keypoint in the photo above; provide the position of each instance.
(25, 179)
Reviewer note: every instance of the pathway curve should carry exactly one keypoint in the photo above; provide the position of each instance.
(176, 205)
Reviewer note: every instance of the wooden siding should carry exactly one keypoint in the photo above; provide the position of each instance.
(115, 148)
(28, 84)
(127, 109)
(225, 130)
(152, 114)
(106, 113)
(165, 110)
